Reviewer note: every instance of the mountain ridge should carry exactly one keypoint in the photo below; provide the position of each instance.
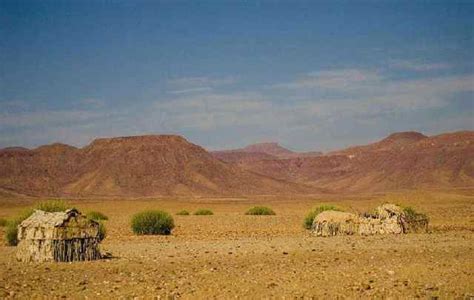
(444, 160)
(166, 165)
(270, 149)
(130, 166)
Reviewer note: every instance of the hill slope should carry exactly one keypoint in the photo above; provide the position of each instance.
(400, 161)
(260, 151)
(129, 166)
(170, 165)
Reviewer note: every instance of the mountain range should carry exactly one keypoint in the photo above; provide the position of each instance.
(164, 165)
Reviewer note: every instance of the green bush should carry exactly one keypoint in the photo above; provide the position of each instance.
(203, 212)
(3, 222)
(51, 206)
(97, 216)
(152, 222)
(11, 231)
(11, 234)
(308, 220)
(183, 213)
(412, 215)
(102, 231)
(260, 211)
(48, 206)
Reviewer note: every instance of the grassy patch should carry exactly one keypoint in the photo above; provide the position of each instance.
(97, 216)
(3, 222)
(203, 212)
(102, 231)
(11, 232)
(308, 220)
(260, 211)
(51, 206)
(152, 222)
(412, 215)
(183, 213)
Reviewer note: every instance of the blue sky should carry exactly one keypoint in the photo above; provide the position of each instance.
(312, 75)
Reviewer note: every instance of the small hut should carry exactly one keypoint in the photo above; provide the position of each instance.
(386, 219)
(58, 236)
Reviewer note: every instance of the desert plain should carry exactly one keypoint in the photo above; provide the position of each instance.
(233, 255)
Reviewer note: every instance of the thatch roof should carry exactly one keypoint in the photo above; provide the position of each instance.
(57, 225)
(49, 219)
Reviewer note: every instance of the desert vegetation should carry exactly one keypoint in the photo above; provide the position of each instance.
(309, 218)
(97, 216)
(3, 222)
(183, 213)
(412, 215)
(52, 206)
(102, 231)
(260, 211)
(152, 222)
(203, 212)
(47, 206)
(11, 233)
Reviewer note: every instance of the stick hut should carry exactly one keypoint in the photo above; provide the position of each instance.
(59, 236)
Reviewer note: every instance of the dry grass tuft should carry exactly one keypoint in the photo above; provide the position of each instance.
(203, 212)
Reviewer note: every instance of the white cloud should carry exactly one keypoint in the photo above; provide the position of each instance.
(191, 90)
(197, 84)
(211, 110)
(92, 102)
(201, 80)
(332, 79)
(299, 111)
(361, 94)
(15, 104)
(45, 118)
(418, 66)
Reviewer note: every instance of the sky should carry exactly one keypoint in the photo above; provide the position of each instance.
(311, 75)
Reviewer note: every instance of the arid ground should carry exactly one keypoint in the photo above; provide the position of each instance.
(231, 255)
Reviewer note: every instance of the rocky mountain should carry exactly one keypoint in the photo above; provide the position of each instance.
(403, 160)
(158, 165)
(394, 141)
(129, 166)
(261, 151)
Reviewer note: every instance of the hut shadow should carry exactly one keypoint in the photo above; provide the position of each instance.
(109, 256)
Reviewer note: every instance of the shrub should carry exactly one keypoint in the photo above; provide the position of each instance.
(11, 234)
(412, 215)
(102, 231)
(48, 206)
(260, 211)
(11, 231)
(203, 212)
(308, 220)
(3, 222)
(152, 222)
(51, 206)
(183, 213)
(97, 216)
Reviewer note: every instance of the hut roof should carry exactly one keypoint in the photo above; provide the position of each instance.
(49, 219)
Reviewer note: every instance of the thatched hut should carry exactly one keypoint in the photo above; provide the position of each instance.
(386, 219)
(330, 222)
(59, 236)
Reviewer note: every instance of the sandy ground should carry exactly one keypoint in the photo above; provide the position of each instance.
(231, 255)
